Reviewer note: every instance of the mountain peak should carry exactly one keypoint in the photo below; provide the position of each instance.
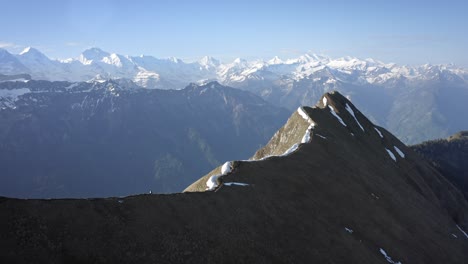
(209, 61)
(275, 60)
(4, 52)
(94, 54)
(30, 50)
(175, 60)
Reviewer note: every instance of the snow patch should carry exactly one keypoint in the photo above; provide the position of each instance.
(402, 155)
(388, 258)
(212, 182)
(455, 236)
(324, 101)
(390, 153)
(226, 168)
(349, 230)
(235, 184)
(304, 115)
(378, 131)
(332, 110)
(14, 93)
(461, 230)
(306, 137)
(9, 97)
(350, 110)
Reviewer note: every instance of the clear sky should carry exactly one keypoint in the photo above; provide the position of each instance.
(405, 32)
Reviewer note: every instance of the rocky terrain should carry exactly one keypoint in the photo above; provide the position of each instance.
(329, 187)
(81, 140)
(450, 157)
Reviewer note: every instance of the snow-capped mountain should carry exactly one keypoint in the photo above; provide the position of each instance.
(415, 102)
(176, 73)
(9, 64)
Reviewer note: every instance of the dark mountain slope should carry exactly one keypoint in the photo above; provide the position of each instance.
(339, 197)
(59, 139)
(450, 157)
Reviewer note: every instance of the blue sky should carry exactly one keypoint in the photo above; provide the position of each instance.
(405, 32)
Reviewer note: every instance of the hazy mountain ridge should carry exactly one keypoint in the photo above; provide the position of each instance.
(349, 192)
(411, 101)
(116, 138)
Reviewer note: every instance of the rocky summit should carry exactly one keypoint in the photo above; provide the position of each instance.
(329, 187)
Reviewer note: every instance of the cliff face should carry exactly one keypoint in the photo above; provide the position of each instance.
(329, 187)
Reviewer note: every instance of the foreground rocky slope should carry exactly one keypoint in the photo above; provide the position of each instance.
(329, 187)
(60, 139)
(450, 157)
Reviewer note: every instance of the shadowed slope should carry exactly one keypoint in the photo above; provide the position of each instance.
(449, 156)
(345, 195)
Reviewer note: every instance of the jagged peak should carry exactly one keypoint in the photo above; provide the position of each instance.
(94, 53)
(211, 84)
(31, 50)
(275, 60)
(334, 118)
(209, 61)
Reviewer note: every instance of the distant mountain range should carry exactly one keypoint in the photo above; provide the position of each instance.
(329, 187)
(416, 103)
(62, 139)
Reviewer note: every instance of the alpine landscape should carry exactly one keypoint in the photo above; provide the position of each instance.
(279, 146)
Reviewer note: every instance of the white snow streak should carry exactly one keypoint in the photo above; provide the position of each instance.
(399, 152)
(461, 230)
(306, 137)
(349, 230)
(332, 110)
(324, 137)
(290, 150)
(324, 101)
(390, 153)
(378, 131)
(388, 258)
(304, 115)
(350, 110)
(235, 184)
